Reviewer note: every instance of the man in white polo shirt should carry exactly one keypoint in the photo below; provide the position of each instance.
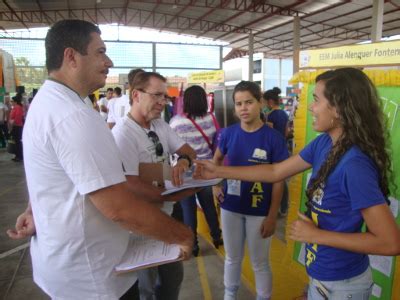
(142, 136)
(118, 107)
(81, 205)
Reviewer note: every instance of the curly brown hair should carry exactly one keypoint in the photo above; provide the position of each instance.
(358, 105)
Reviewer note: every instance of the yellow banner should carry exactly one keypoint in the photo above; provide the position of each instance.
(383, 53)
(207, 77)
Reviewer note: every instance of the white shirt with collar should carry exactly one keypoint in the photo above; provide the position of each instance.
(136, 147)
(68, 153)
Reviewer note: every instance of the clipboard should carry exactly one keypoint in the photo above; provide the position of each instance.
(155, 173)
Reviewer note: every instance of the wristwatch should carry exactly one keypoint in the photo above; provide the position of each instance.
(187, 157)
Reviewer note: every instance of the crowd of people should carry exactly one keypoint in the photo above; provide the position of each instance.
(87, 196)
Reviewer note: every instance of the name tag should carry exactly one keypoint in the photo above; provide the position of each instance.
(233, 187)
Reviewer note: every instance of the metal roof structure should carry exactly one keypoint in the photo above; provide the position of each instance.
(323, 23)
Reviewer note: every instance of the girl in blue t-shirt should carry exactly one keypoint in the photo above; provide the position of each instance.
(349, 186)
(249, 209)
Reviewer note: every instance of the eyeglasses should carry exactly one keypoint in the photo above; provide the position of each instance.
(157, 96)
(156, 141)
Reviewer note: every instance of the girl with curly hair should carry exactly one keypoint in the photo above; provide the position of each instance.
(349, 186)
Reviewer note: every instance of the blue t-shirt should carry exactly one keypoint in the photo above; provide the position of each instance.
(279, 119)
(352, 186)
(264, 146)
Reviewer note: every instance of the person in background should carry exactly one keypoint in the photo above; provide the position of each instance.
(4, 136)
(81, 208)
(118, 107)
(279, 120)
(103, 104)
(249, 208)
(93, 101)
(348, 188)
(276, 118)
(143, 137)
(16, 124)
(198, 128)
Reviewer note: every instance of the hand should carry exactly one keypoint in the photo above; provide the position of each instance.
(24, 227)
(268, 227)
(303, 229)
(204, 169)
(218, 193)
(178, 170)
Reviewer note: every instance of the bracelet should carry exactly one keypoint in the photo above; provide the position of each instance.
(187, 157)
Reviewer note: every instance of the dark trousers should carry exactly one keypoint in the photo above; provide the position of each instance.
(285, 199)
(16, 134)
(4, 136)
(132, 293)
(206, 200)
(162, 282)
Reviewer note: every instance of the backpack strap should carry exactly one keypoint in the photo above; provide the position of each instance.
(202, 133)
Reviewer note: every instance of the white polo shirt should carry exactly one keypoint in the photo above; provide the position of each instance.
(68, 153)
(118, 108)
(135, 146)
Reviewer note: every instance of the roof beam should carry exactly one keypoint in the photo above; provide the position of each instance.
(150, 14)
(253, 6)
(308, 46)
(124, 14)
(274, 11)
(49, 22)
(15, 14)
(178, 14)
(219, 24)
(158, 19)
(221, 6)
(341, 32)
(289, 22)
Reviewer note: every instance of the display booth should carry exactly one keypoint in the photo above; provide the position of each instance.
(379, 62)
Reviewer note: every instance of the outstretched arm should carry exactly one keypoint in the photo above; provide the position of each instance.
(25, 225)
(265, 173)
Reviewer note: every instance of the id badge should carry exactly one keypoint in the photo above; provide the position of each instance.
(233, 187)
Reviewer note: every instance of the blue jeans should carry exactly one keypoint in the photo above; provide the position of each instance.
(161, 282)
(206, 200)
(356, 288)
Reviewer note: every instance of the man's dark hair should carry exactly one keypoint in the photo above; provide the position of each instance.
(110, 90)
(75, 34)
(195, 102)
(118, 91)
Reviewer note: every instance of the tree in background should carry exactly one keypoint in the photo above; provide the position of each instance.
(29, 76)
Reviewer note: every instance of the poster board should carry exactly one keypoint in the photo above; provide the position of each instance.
(375, 54)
